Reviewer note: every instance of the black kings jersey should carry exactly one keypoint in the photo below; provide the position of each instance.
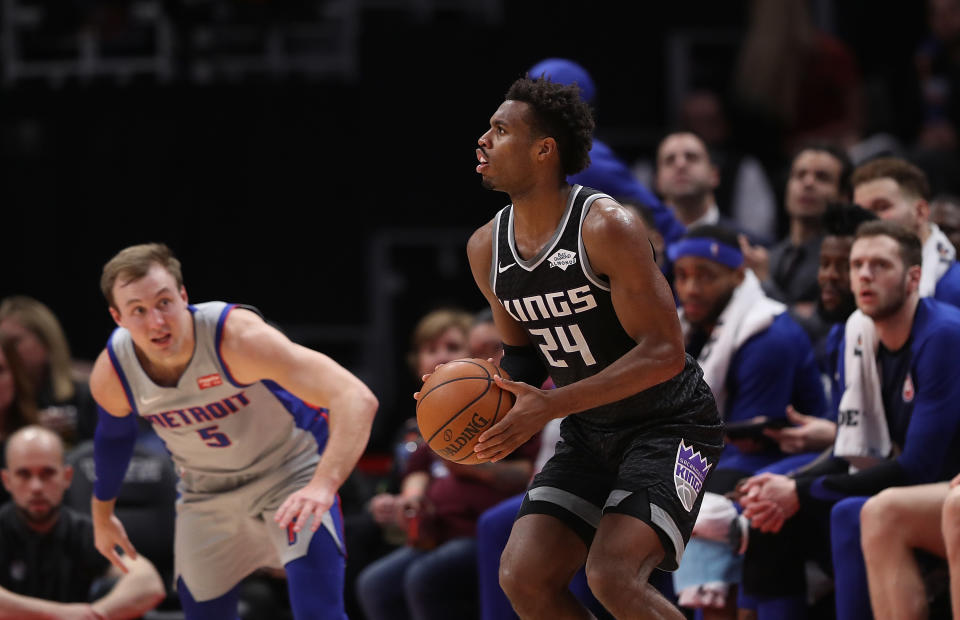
(568, 313)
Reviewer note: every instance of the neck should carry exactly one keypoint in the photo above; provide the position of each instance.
(894, 330)
(689, 209)
(924, 232)
(539, 210)
(803, 229)
(41, 527)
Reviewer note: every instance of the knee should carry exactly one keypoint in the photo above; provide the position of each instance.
(882, 517)
(950, 519)
(611, 579)
(514, 581)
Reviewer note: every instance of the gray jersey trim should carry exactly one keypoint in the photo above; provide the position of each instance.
(584, 260)
(541, 256)
(616, 496)
(661, 518)
(565, 499)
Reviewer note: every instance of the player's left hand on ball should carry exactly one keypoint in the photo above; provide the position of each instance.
(530, 412)
(313, 499)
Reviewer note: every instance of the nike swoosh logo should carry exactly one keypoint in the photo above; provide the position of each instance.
(501, 268)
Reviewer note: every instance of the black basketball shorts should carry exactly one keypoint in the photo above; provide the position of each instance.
(653, 473)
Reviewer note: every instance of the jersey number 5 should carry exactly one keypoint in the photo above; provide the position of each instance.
(576, 343)
(212, 438)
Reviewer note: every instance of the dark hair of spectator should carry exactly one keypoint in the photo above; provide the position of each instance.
(842, 218)
(911, 179)
(717, 233)
(846, 164)
(911, 250)
(558, 113)
(23, 409)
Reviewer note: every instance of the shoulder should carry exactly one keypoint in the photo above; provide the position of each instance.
(608, 220)
(948, 286)
(936, 322)
(240, 325)
(106, 387)
(480, 244)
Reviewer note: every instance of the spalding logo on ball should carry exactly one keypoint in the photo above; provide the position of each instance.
(457, 404)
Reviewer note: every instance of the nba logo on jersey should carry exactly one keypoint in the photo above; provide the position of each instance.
(689, 473)
(209, 381)
(908, 391)
(563, 259)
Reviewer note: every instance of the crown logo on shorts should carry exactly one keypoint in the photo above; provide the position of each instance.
(689, 474)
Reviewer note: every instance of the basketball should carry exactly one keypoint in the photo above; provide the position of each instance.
(458, 402)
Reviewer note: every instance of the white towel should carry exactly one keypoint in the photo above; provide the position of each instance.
(938, 255)
(748, 313)
(864, 438)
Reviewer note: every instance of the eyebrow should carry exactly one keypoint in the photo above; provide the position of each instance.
(165, 289)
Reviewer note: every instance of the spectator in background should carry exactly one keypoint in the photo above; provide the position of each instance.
(687, 178)
(757, 361)
(898, 191)
(484, 340)
(606, 172)
(945, 214)
(819, 174)
(48, 562)
(18, 407)
(63, 400)
(893, 430)
(744, 192)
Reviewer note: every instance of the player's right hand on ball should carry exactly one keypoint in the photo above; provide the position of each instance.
(108, 534)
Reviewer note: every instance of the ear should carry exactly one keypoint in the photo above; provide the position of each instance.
(913, 278)
(714, 177)
(183, 294)
(922, 210)
(5, 475)
(545, 148)
(740, 274)
(67, 475)
(115, 314)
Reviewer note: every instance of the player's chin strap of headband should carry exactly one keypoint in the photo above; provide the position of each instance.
(704, 247)
(113, 444)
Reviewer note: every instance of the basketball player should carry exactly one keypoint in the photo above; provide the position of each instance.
(222, 389)
(575, 292)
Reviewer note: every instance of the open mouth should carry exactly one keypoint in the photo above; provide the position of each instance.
(482, 158)
(162, 340)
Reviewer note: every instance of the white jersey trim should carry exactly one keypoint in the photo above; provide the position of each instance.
(584, 259)
(547, 250)
(496, 249)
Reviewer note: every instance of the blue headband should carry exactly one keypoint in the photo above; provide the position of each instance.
(706, 248)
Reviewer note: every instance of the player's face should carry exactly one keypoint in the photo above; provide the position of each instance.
(36, 477)
(946, 215)
(32, 351)
(507, 151)
(814, 181)
(155, 312)
(7, 386)
(885, 197)
(450, 345)
(684, 168)
(485, 342)
(704, 288)
(833, 275)
(878, 278)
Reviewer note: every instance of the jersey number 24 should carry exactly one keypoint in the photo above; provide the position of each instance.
(574, 343)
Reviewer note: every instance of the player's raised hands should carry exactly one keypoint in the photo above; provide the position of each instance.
(108, 534)
(312, 500)
(530, 412)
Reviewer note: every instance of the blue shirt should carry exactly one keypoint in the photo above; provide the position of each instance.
(948, 286)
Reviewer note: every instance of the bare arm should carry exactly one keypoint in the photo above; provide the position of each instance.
(254, 351)
(19, 607)
(137, 591)
(480, 255)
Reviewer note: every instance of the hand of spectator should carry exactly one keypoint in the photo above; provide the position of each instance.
(314, 499)
(530, 412)
(78, 611)
(808, 434)
(756, 257)
(386, 508)
(762, 490)
(108, 534)
(409, 507)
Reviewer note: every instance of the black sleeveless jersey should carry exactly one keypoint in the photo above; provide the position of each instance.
(568, 313)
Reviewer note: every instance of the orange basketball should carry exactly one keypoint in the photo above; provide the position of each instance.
(457, 403)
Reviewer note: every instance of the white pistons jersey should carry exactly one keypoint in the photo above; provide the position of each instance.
(214, 427)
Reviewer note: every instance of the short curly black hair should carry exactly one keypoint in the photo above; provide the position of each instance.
(560, 113)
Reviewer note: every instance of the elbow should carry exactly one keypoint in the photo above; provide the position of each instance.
(368, 403)
(673, 359)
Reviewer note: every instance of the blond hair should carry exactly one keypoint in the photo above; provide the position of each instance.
(432, 325)
(40, 320)
(23, 409)
(134, 262)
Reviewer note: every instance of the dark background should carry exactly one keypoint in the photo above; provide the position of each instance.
(339, 206)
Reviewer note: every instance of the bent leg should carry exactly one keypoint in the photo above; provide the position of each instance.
(624, 553)
(541, 558)
(315, 581)
(223, 607)
(850, 574)
(894, 523)
(950, 525)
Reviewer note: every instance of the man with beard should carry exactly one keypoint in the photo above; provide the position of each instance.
(895, 428)
(48, 561)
